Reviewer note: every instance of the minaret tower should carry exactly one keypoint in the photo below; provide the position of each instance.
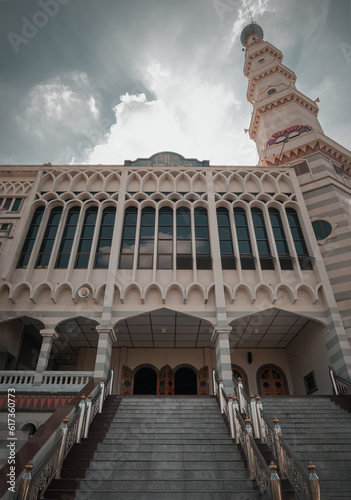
(284, 122)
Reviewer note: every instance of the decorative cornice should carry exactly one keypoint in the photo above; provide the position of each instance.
(290, 75)
(256, 118)
(317, 146)
(268, 49)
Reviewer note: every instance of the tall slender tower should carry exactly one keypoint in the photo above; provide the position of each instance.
(284, 122)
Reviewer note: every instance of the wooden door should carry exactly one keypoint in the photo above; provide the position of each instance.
(202, 381)
(272, 382)
(127, 381)
(165, 381)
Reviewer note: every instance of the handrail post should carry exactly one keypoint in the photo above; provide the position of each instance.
(221, 398)
(111, 379)
(259, 408)
(26, 478)
(276, 492)
(280, 453)
(335, 387)
(64, 430)
(240, 389)
(81, 418)
(231, 417)
(248, 432)
(254, 416)
(214, 381)
(101, 402)
(314, 482)
(236, 423)
(87, 422)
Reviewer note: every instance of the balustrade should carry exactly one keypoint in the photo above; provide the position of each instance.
(73, 429)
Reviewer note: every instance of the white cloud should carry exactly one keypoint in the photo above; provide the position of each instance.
(190, 116)
(59, 106)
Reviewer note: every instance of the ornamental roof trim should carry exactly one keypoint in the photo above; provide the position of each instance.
(167, 159)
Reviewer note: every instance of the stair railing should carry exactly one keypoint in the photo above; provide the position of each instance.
(340, 385)
(73, 429)
(266, 477)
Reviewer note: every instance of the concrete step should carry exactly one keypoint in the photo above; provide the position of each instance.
(142, 465)
(170, 448)
(164, 494)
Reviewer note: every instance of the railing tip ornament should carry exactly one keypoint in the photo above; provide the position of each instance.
(65, 421)
(275, 421)
(239, 379)
(235, 398)
(103, 379)
(221, 380)
(29, 467)
(252, 396)
(83, 397)
(311, 467)
(247, 421)
(258, 398)
(230, 396)
(90, 396)
(273, 468)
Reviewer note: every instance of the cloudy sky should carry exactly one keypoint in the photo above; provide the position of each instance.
(101, 81)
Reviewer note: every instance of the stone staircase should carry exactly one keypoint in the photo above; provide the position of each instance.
(317, 429)
(156, 448)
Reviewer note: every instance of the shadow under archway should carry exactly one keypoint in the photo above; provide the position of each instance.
(185, 381)
(145, 381)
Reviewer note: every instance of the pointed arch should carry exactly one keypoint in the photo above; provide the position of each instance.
(79, 182)
(112, 182)
(149, 183)
(134, 182)
(236, 183)
(252, 183)
(149, 292)
(40, 290)
(311, 292)
(268, 183)
(96, 182)
(24, 288)
(132, 292)
(62, 182)
(192, 289)
(241, 290)
(281, 290)
(220, 183)
(63, 289)
(199, 183)
(284, 184)
(175, 294)
(183, 183)
(166, 183)
(266, 289)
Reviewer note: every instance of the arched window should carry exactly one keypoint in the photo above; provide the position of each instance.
(280, 239)
(184, 253)
(105, 238)
(30, 239)
(86, 238)
(299, 241)
(165, 238)
(243, 236)
(147, 235)
(264, 250)
(202, 242)
(225, 239)
(67, 238)
(128, 238)
(49, 237)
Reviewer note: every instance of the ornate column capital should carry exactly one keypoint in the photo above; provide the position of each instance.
(107, 330)
(49, 333)
(220, 330)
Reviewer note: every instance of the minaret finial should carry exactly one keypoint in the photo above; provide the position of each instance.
(248, 8)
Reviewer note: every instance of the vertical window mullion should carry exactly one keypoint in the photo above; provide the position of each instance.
(147, 238)
(184, 245)
(298, 238)
(67, 239)
(225, 239)
(280, 239)
(128, 238)
(165, 238)
(86, 238)
(202, 239)
(243, 238)
(103, 249)
(263, 246)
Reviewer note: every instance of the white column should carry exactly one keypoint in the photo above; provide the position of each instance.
(223, 359)
(103, 356)
(48, 335)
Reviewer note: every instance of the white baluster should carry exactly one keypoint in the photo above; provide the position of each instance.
(101, 402)
(87, 422)
(259, 408)
(64, 429)
(231, 417)
(81, 418)
(254, 416)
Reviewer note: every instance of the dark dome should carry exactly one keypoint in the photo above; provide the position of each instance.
(251, 29)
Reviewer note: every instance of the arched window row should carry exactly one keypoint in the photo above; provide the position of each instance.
(80, 237)
(163, 238)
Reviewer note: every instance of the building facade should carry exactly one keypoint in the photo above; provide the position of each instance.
(166, 267)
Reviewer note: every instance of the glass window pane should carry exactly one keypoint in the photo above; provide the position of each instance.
(282, 247)
(62, 261)
(240, 219)
(55, 219)
(226, 246)
(7, 203)
(69, 232)
(278, 233)
(184, 246)
(128, 246)
(224, 233)
(84, 246)
(201, 232)
(183, 232)
(82, 261)
(102, 261)
(222, 219)
(145, 262)
(183, 219)
(108, 219)
(200, 219)
(88, 232)
(50, 232)
(130, 219)
(263, 247)
(106, 232)
(164, 262)
(44, 260)
(129, 232)
(184, 262)
(66, 246)
(104, 246)
(47, 245)
(126, 262)
(165, 219)
(296, 233)
(242, 233)
(244, 247)
(275, 219)
(148, 219)
(202, 247)
(146, 246)
(257, 220)
(165, 232)
(72, 218)
(147, 232)
(165, 246)
(301, 248)
(260, 233)
(16, 205)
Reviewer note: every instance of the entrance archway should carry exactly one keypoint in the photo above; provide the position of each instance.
(272, 381)
(185, 381)
(145, 381)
